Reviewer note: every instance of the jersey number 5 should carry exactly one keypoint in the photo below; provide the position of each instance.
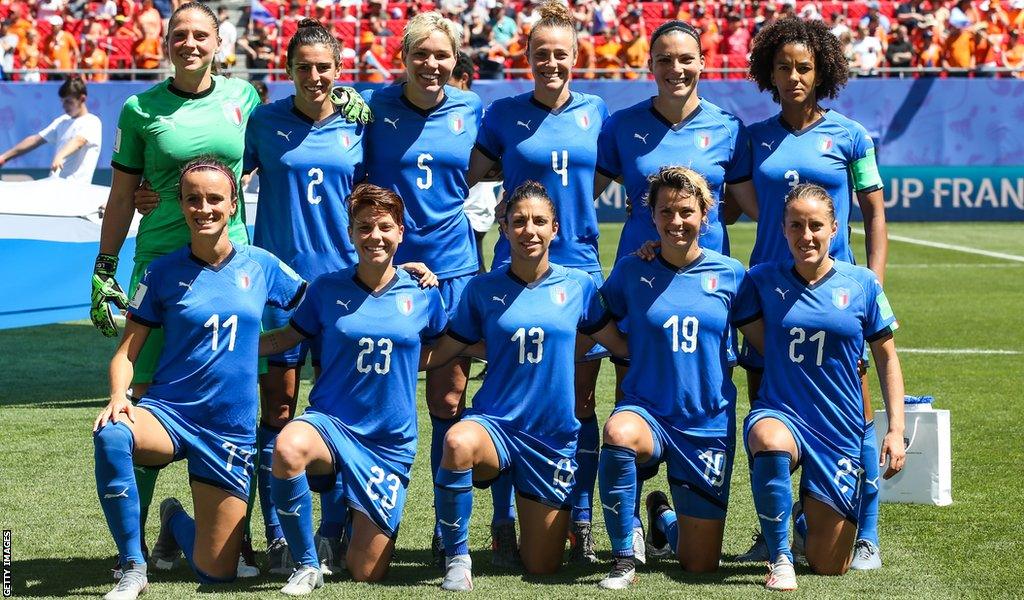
(424, 183)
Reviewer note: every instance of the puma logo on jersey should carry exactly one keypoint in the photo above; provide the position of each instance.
(285, 513)
(649, 282)
(613, 509)
(499, 299)
(526, 124)
(642, 138)
(777, 519)
(454, 525)
(285, 135)
(782, 292)
(393, 123)
(344, 304)
(767, 145)
(187, 286)
(122, 494)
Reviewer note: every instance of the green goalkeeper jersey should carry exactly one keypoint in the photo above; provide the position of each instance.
(160, 130)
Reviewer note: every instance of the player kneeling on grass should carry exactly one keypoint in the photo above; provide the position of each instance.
(810, 318)
(679, 402)
(209, 297)
(523, 422)
(360, 429)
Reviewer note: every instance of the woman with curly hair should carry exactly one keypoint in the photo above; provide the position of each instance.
(800, 63)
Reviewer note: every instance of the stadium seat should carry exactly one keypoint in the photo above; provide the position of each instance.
(397, 26)
(855, 10)
(289, 26)
(45, 29)
(831, 7)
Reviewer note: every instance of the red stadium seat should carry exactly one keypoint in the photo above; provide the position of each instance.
(397, 26)
(119, 51)
(831, 7)
(654, 10)
(45, 29)
(344, 29)
(855, 10)
(288, 27)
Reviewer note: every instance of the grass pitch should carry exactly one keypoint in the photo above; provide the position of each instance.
(54, 382)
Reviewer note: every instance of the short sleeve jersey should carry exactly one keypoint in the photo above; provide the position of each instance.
(307, 171)
(160, 130)
(371, 352)
(423, 155)
(679, 337)
(557, 148)
(211, 319)
(835, 152)
(530, 334)
(814, 336)
(637, 141)
(80, 165)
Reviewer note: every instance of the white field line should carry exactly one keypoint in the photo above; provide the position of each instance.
(1009, 265)
(958, 351)
(940, 245)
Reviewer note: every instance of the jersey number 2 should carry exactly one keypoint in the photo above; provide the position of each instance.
(316, 177)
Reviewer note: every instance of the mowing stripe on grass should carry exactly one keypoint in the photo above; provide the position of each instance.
(958, 351)
(1006, 265)
(940, 245)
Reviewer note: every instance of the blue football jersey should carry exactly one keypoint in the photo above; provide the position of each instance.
(637, 141)
(307, 170)
(530, 334)
(835, 152)
(557, 148)
(423, 155)
(814, 336)
(211, 319)
(371, 352)
(679, 337)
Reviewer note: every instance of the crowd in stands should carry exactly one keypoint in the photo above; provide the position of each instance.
(965, 37)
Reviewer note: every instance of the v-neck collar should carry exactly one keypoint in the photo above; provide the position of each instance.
(680, 125)
(526, 285)
(675, 269)
(390, 284)
(798, 133)
(202, 263)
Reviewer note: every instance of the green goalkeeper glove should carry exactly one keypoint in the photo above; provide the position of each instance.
(352, 105)
(106, 289)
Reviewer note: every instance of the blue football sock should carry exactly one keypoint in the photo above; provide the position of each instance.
(586, 470)
(294, 506)
(333, 508)
(265, 438)
(618, 496)
(115, 486)
(453, 501)
(867, 519)
(503, 497)
(668, 524)
(773, 499)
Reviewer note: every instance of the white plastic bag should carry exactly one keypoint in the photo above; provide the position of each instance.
(927, 476)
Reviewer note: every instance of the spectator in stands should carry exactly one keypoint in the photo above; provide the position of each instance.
(809, 12)
(371, 64)
(76, 134)
(931, 52)
(1013, 57)
(259, 50)
(605, 19)
(63, 51)
(962, 15)
(635, 47)
(735, 44)
(527, 17)
(49, 8)
(839, 25)
(517, 57)
(147, 53)
(585, 56)
(148, 20)
(30, 55)
(8, 48)
(867, 52)
(228, 33)
(874, 14)
(911, 14)
(261, 89)
(766, 18)
(900, 53)
(126, 28)
(608, 55)
(503, 26)
(95, 58)
(958, 51)
(583, 15)
(107, 10)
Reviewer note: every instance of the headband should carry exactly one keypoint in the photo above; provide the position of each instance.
(211, 166)
(677, 25)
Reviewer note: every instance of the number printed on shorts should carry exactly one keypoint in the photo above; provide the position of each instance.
(216, 324)
(846, 468)
(239, 457)
(714, 466)
(531, 344)
(799, 336)
(379, 478)
(427, 180)
(684, 333)
(366, 360)
(316, 177)
(565, 472)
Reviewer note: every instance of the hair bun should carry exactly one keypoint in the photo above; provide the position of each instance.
(307, 22)
(555, 10)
